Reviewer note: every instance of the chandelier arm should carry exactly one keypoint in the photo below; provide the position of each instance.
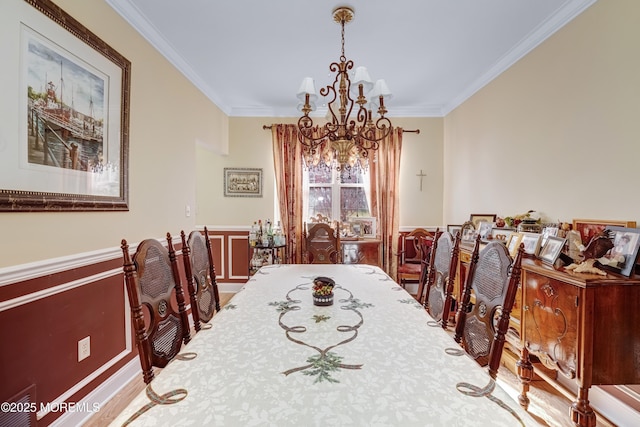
(306, 130)
(363, 116)
(348, 140)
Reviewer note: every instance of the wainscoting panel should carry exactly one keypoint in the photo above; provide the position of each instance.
(47, 307)
(238, 257)
(43, 318)
(219, 255)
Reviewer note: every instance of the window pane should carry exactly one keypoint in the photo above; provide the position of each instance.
(353, 202)
(319, 202)
(351, 175)
(320, 174)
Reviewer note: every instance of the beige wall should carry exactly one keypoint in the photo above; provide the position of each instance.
(250, 146)
(168, 116)
(558, 132)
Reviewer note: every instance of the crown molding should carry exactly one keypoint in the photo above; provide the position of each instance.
(564, 15)
(132, 15)
(418, 111)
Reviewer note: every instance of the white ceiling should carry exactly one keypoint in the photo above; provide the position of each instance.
(249, 56)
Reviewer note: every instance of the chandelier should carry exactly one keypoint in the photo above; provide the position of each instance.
(344, 141)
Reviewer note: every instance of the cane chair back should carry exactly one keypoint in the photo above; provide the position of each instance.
(439, 290)
(493, 278)
(152, 281)
(321, 244)
(201, 276)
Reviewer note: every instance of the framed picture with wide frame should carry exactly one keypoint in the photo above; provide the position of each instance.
(70, 103)
(588, 228)
(242, 182)
(477, 218)
(622, 257)
(551, 250)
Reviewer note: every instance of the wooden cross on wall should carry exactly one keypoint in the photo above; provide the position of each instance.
(421, 175)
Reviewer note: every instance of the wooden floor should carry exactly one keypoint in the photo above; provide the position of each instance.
(548, 406)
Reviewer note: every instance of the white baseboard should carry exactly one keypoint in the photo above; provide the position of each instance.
(613, 409)
(230, 288)
(102, 394)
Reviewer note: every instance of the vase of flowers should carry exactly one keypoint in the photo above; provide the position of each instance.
(323, 291)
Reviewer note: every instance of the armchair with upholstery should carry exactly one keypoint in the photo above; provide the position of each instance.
(411, 255)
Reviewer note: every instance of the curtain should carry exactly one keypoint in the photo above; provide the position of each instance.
(384, 170)
(287, 160)
(384, 167)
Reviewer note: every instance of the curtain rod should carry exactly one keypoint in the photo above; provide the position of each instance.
(268, 127)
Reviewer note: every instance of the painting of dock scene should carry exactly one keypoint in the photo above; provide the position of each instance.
(65, 111)
(69, 148)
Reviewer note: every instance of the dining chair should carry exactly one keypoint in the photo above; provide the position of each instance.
(446, 251)
(493, 278)
(201, 276)
(427, 267)
(411, 255)
(152, 281)
(321, 244)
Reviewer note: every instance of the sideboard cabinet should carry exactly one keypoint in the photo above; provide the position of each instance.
(584, 326)
(363, 251)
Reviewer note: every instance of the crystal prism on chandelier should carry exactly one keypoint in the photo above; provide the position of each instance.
(343, 141)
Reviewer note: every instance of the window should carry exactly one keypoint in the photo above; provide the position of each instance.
(337, 195)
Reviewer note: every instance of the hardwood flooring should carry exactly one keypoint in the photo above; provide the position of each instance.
(548, 406)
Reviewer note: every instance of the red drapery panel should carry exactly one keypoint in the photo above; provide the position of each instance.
(384, 165)
(287, 160)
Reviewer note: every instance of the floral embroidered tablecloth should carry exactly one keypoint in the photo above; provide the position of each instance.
(272, 358)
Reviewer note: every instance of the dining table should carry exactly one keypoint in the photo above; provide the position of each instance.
(373, 357)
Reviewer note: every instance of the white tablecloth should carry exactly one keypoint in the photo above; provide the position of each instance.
(262, 363)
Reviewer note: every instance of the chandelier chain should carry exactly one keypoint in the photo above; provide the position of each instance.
(343, 58)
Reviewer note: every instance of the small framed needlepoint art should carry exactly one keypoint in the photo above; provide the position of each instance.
(242, 182)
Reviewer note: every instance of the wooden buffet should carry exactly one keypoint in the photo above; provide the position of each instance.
(582, 326)
(362, 251)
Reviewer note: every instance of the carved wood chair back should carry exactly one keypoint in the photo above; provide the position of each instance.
(153, 281)
(493, 278)
(321, 244)
(427, 267)
(201, 276)
(411, 253)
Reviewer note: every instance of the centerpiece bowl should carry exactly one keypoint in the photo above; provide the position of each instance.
(323, 291)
